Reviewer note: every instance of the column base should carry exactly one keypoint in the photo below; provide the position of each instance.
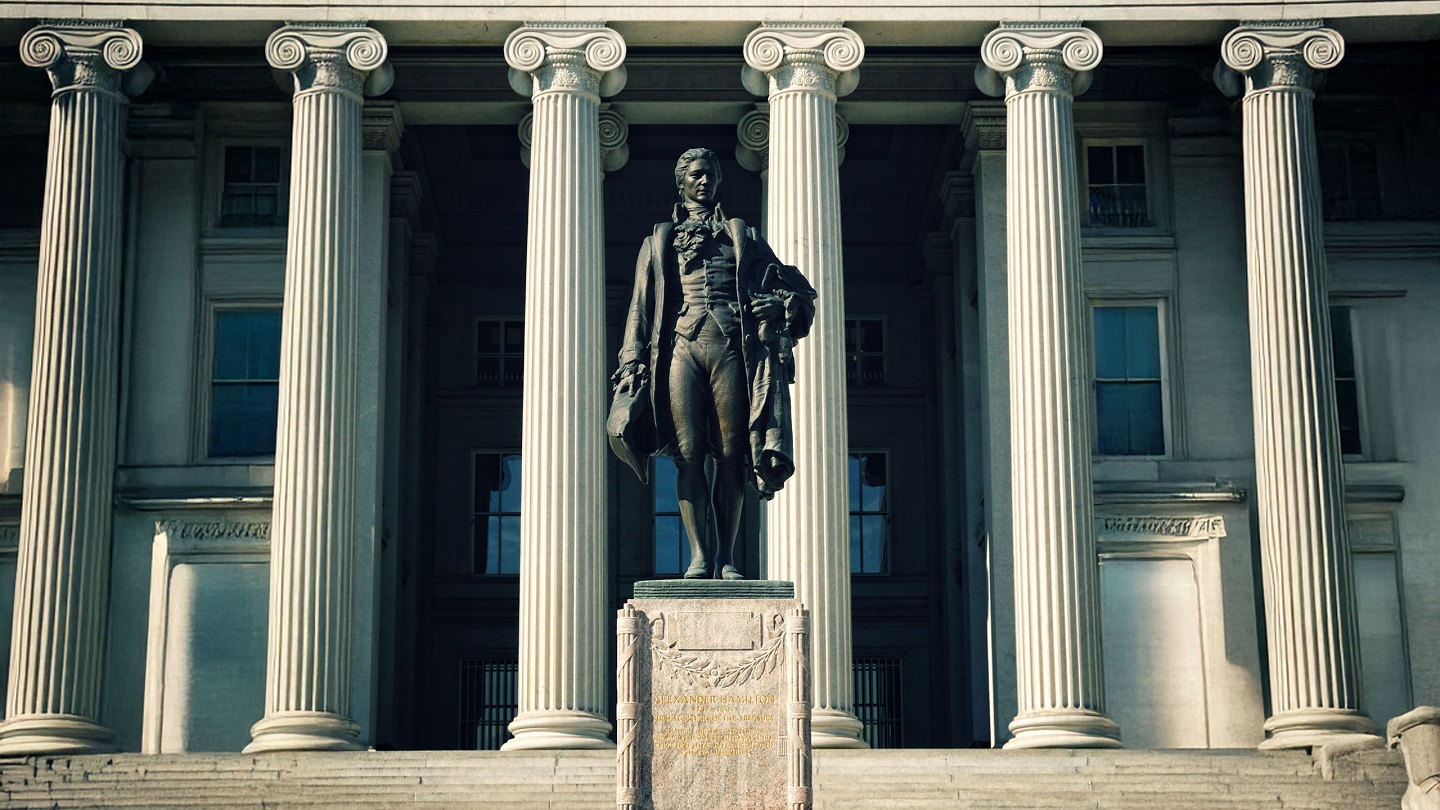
(304, 731)
(1064, 728)
(558, 729)
(44, 734)
(832, 728)
(1310, 728)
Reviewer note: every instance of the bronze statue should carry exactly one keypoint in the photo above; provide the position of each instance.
(706, 363)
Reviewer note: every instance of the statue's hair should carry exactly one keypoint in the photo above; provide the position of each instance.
(690, 156)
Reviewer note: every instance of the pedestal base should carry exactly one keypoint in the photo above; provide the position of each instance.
(1309, 728)
(830, 728)
(44, 734)
(1064, 728)
(304, 731)
(558, 730)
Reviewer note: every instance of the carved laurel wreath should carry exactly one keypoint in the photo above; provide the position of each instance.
(699, 670)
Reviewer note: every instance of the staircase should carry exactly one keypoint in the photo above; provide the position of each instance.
(584, 780)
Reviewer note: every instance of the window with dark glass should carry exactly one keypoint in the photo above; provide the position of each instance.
(672, 550)
(245, 382)
(1115, 186)
(1349, 178)
(495, 520)
(869, 513)
(1347, 392)
(499, 354)
(864, 352)
(254, 193)
(1129, 409)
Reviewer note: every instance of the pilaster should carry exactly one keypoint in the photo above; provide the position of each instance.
(63, 567)
(1305, 549)
(1061, 693)
(564, 627)
(802, 69)
(310, 662)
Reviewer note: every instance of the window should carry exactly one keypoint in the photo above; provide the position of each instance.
(254, 194)
(1347, 391)
(1350, 178)
(672, 550)
(877, 700)
(495, 519)
(1129, 403)
(1115, 186)
(869, 513)
(499, 354)
(488, 702)
(245, 382)
(864, 352)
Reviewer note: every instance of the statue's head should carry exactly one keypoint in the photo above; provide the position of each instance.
(697, 175)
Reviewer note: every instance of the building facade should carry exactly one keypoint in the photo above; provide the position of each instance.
(1113, 427)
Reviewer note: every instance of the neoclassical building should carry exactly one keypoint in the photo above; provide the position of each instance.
(1115, 427)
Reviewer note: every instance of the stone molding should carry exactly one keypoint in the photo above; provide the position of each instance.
(1017, 57)
(85, 55)
(822, 58)
(983, 126)
(566, 57)
(331, 57)
(382, 125)
(1279, 54)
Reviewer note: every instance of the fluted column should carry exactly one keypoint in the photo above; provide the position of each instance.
(308, 687)
(62, 580)
(564, 627)
(802, 69)
(1061, 696)
(1299, 487)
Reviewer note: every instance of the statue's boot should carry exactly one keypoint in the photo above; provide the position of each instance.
(729, 502)
(693, 492)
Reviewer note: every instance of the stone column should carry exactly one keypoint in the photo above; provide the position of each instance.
(1040, 69)
(802, 69)
(63, 571)
(308, 703)
(1299, 487)
(564, 627)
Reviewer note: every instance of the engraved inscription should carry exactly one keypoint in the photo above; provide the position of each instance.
(718, 631)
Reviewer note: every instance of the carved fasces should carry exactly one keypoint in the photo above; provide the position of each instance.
(345, 57)
(1030, 56)
(801, 56)
(566, 57)
(1277, 54)
(87, 56)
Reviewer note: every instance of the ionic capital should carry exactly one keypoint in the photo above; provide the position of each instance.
(822, 58)
(614, 135)
(331, 57)
(1017, 57)
(566, 57)
(753, 133)
(1278, 54)
(83, 55)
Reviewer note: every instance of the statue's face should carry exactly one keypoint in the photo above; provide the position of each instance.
(700, 182)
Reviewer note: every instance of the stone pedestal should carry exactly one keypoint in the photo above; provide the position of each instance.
(802, 69)
(1057, 599)
(713, 697)
(308, 691)
(563, 564)
(1299, 487)
(1417, 734)
(63, 571)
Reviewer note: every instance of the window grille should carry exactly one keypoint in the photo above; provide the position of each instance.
(877, 701)
(1129, 404)
(488, 702)
(244, 382)
(499, 354)
(495, 516)
(1115, 185)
